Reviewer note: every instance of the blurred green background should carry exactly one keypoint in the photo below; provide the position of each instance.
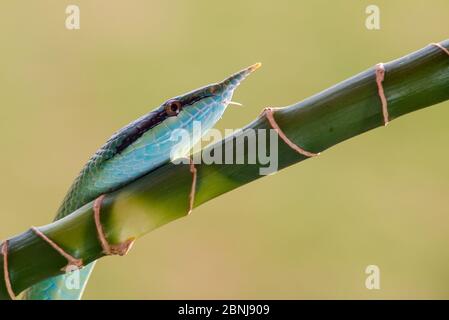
(308, 231)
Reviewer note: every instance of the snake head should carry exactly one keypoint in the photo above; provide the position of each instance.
(214, 95)
(201, 108)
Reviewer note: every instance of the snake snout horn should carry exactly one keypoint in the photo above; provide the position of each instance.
(233, 81)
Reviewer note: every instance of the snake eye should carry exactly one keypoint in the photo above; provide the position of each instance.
(173, 108)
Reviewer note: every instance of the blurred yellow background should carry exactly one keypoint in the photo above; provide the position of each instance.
(308, 231)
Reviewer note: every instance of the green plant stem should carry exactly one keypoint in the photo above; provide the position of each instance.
(343, 111)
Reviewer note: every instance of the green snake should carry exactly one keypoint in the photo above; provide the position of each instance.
(135, 150)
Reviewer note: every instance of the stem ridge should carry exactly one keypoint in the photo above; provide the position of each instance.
(72, 261)
(193, 187)
(380, 77)
(269, 114)
(6, 276)
(120, 249)
(439, 45)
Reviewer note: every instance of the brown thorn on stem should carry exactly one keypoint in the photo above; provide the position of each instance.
(6, 271)
(441, 47)
(268, 112)
(193, 187)
(380, 77)
(72, 261)
(120, 249)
